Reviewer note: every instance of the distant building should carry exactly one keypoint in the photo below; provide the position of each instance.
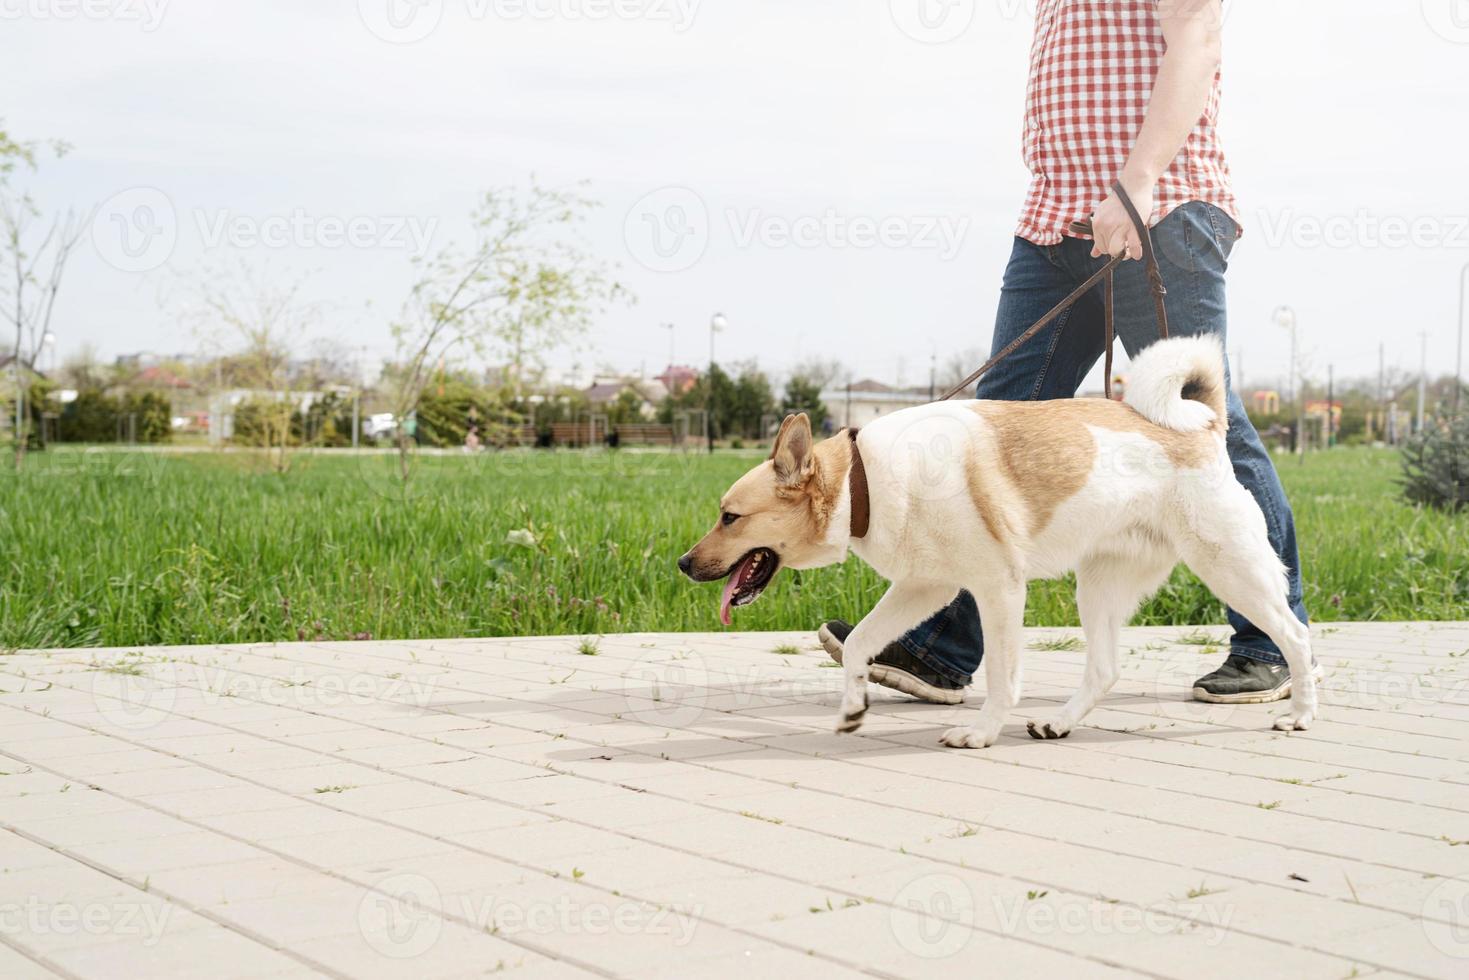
(863, 401)
(1265, 402)
(605, 392)
(678, 379)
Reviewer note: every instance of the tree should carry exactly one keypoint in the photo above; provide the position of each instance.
(33, 259)
(747, 404)
(819, 371)
(803, 394)
(523, 288)
(263, 317)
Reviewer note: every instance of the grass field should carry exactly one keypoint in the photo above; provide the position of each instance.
(128, 549)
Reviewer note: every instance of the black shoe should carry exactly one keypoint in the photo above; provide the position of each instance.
(1244, 680)
(896, 668)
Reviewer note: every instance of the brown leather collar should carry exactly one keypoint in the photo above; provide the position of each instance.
(857, 483)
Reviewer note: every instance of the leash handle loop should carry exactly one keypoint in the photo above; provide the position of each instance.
(1155, 283)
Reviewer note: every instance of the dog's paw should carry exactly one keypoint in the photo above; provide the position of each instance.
(969, 738)
(850, 721)
(1055, 728)
(1294, 722)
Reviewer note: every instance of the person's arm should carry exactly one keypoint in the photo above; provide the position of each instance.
(1191, 29)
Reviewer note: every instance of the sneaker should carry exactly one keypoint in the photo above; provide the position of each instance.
(1244, 680)
(895, 667)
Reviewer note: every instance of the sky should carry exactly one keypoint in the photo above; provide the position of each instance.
(838, 179)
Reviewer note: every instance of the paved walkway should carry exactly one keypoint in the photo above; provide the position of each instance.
(676, 806)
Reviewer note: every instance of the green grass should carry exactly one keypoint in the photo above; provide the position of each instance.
(122, 550)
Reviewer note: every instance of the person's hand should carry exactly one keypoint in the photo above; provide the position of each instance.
(1113, 232)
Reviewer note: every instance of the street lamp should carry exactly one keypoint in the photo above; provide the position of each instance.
(716, 324)
(1459, 353)
(1285, 317)
(669, 328)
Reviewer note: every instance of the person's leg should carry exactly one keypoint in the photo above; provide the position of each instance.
(1049, 365)
(1193, 245)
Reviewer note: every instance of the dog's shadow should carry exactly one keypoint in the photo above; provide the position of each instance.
(757, 725)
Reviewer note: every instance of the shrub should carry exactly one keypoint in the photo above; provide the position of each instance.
(1436, 465)
(95, 416)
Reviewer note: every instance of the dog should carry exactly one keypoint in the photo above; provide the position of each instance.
(988, 495)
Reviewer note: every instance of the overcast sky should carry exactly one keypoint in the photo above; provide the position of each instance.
(744, 152)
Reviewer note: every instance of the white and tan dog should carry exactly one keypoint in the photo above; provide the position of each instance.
(986, 495)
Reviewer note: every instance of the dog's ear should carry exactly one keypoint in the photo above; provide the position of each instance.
(792, 451)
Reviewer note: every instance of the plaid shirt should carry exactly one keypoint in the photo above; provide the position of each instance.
(1092, 68)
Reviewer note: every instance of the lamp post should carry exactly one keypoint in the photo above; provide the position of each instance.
(1285, 317)
(716, 324)
(669, 328)
(1459, 352)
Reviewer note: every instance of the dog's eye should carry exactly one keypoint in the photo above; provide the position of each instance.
(727, 518)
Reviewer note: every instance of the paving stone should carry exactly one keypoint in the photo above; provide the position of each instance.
(499, 803)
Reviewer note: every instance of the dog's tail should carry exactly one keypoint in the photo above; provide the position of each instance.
(1179, 384)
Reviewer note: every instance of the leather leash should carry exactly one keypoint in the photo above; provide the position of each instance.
(1102, 275)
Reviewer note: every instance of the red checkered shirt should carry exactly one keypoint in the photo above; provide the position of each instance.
(1092, 68)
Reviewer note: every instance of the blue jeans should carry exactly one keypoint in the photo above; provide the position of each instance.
(1193, 245)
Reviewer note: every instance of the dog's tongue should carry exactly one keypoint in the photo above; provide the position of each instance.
(731, 584)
